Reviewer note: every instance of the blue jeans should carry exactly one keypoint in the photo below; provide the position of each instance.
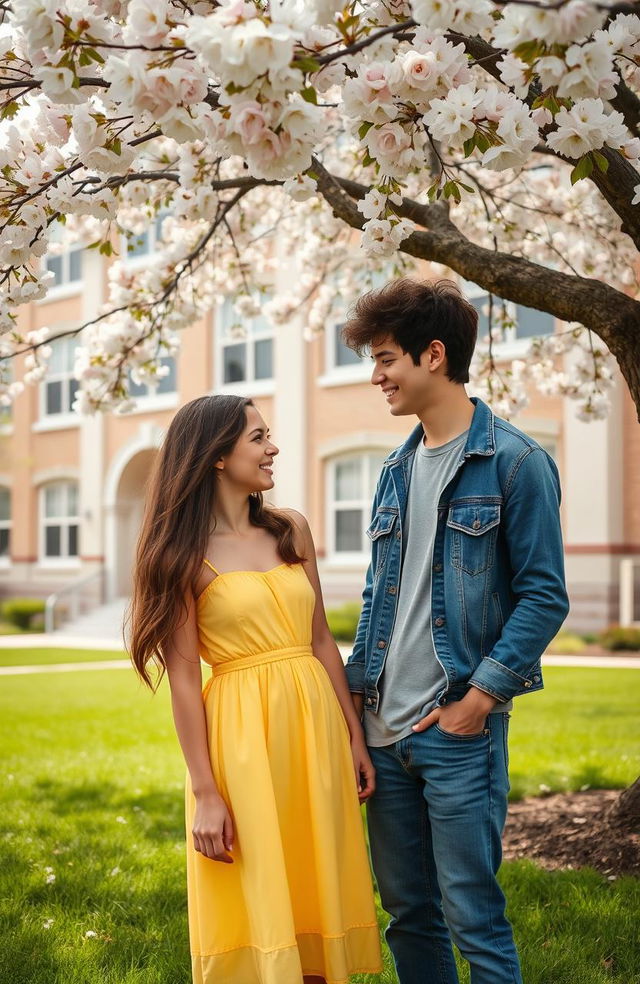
(435, 828)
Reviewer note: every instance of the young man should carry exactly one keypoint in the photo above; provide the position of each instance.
(464, 591)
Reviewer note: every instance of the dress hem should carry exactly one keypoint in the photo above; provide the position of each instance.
(289, 946)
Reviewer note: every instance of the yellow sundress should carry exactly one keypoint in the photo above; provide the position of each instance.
(298, 898)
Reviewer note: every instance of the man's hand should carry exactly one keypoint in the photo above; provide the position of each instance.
(461, 717)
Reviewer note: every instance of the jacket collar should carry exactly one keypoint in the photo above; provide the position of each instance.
(481, 439)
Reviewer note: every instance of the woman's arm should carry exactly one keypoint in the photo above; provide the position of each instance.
(212, 826)
(326, 650)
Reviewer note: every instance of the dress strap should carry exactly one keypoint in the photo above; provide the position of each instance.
(209, 564)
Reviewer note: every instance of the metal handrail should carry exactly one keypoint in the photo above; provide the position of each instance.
(627, 592)
(73, 589)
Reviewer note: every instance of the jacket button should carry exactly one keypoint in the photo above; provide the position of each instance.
(527, 683)
(536, 679)
(439, 621)
(369, 701)
(437, 568)
(393, 589)
(398, 535)
(381, 644)
(476, 524)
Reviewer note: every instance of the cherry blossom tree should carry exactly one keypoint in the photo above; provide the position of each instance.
(498, 140)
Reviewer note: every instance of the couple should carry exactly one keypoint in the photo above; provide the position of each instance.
(464, 590)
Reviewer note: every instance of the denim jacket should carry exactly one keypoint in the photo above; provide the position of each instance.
(498, 594)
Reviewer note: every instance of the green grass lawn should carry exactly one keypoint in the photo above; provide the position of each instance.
(92, 884)
(35, 656)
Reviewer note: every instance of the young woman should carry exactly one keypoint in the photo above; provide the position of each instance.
(279, 888)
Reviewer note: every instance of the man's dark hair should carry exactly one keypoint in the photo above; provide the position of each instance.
(415, 313)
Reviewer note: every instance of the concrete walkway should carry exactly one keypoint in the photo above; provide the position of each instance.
(42, 641)
(58, 640)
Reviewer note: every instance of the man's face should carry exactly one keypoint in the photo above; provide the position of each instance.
(405, 386)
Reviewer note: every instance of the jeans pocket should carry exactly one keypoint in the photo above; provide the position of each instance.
(455, 737)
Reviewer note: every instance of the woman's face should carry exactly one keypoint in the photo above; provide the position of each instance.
(249, 466)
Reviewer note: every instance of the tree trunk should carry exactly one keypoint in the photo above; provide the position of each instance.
(625, 810)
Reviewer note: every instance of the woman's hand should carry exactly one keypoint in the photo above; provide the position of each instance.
(213, 828)
(365, 772)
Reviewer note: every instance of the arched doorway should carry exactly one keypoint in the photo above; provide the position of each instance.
(124, 490)
(128, 514)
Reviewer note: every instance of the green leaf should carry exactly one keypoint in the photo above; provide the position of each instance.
(451, 190)
(467, 187)
(469, 145)
(601, 161)
(367, 160)
(583, 169)
(482, 141)
(10, 110)
(95, 55)
(234, 89)
(106, 248)
(115, 145)
(364, 129)
(529, 50)
(552, 104)
(309, 95)
(84, 59)
(306, 64)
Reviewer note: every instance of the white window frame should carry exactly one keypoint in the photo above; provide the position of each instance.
(67, 417)
(351, 558)
(154, 241)
(67, 287)
(65, 560)
(511, 347)
(249, 386)
(152, 400)
(6, 524)
(335, 375)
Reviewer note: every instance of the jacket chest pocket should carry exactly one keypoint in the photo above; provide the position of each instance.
(473, 530)
(381, 533)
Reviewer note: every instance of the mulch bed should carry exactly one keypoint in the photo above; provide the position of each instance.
(566, 830)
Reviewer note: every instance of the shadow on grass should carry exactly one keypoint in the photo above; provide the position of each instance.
(124, 884)
(162, 813)
(589, 776)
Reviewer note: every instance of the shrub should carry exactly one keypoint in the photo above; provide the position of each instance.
(343, 621)
(566, 642)
(618, 637)
(22, 612)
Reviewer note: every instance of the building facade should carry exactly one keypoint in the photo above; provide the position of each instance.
(71, 488)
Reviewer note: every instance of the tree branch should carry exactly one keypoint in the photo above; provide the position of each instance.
(617, 184)
(611, 314)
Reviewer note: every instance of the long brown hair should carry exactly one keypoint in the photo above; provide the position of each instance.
(178, 520)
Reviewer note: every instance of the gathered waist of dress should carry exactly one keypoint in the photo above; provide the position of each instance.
(273, 656)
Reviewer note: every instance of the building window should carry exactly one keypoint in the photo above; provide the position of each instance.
(521, 322)
(167, 384)
(66, 263)
(59, 389)
(5, 525)
(135, 246)
(352, 483)
(339, 354)
(246, 347)
(60, 523)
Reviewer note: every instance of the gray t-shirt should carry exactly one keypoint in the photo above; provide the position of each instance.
(413, 676)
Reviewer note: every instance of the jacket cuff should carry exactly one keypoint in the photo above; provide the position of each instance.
(498, 680)
(355, 677)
